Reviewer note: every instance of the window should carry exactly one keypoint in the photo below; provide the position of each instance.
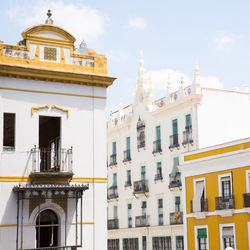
(174, 177)
(49, 53)
(114, 180)
(161, 243)
(143, 173)
(129, 215)
(143, 208)
(113, 244)
(227, 232)
(114, 148)
(127, 155)
(128, 182)
(199, 195)
(157, 143)
(201, 238)
(9, 130)
(140, 134)
(188, 121)
(225, 185)
(177, 203)
(130, 244)
(115, 212)
(179, 243)
(160, 212)
(144, 243)
(159, 171)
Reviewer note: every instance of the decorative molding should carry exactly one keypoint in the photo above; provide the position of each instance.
(39, 107)
(62, 109)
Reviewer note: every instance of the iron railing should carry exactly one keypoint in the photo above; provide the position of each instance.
(113, 192)
(158, 176)
(50, 160)
(187, 136)
(127, 155)
(224, 202)
(176, 218)
(113, 224)
(112, 160)
(173, 141)
(141, 186)
(128, 183)
(246, 198)
(204, 205)
(142, 221)
(140, 143)
(156, 146)
(175, 181)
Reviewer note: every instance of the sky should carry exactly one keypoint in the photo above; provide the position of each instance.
(173, 36)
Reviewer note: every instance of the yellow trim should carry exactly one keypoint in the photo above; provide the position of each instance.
(38, 107)
(217, 151)
(53, 93)
(74, 179)
(62, 109)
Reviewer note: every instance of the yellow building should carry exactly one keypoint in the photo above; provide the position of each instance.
(216, 188)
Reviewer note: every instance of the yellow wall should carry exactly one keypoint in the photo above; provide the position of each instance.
(212, 187)
(241, 230)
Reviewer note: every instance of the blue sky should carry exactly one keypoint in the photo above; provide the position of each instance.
(172, 34)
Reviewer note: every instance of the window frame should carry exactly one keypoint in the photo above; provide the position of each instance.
(221, 234)
(9, 147)
(195, 184)
(196, 234)
(220, 177)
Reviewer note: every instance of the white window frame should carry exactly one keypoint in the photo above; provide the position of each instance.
(196, 234)
(247, 181)
(219, 182)
(221, 231)
(198, 180)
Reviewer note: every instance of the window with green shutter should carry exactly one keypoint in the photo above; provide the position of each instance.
(114, 180)
(188, 121)
(143, 173)
(175, 126)
(202, 233)
(114, 148)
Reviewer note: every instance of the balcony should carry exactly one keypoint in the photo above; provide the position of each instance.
(175, 182)
(128, 184)
(113, 224)
(174, 143)
(48, 164)
(142, 221)
(246, 198)
(112, 160)
(157, 147)
(130, 222)
(158, 176)
(127, 156)
(204, 205)
(224, 203)
(140, 143)
(176, 218)
(112, 192)
(187, 136)
(140, 186)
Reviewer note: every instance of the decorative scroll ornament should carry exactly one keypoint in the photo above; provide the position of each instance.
(48, 106)
(39, 107)
(62, 109)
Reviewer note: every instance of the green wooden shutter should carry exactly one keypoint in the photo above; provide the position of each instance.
(175, 126)
(202, 233)
(143, 172)
(115, 180)
(115, 212)
(175, 167)
(128, 143)
(158, 133)
(188, 120)
(128, 176)
(160, 204)
(114, 148)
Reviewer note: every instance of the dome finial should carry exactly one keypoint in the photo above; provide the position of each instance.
(49, 19)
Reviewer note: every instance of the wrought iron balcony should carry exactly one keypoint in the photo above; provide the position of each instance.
(174, 143)
(140, 143)
(112, 192)
(187, 136)
(142, 221)
(224, 202)
(176, 218)
(158, 177)
(157, 147)
(204, 205)
(50, 163)
(127, 155)
(112, 160)
(128, 183)
(175, 181)
(140, 124)
(246, 198)
(129, 222)
(141, 186)
(113, 224)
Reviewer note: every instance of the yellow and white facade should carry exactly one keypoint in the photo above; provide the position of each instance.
(216, 194)
(53, 174)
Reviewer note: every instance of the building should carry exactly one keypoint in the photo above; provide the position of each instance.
(145, 139)
(216, 194)
(53, 175)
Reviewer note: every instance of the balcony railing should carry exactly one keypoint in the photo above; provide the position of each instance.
(113, 224)
(112, 160)
(128, 184)
(157, 146)
(113, 192)
(187, 136)
(204, 205)
(158, 177)
(127, 156)
(140, 143)
(246, 198)
(176, 218)
(129, 222)
(141, 186)
(224, 203)
(142, 221)
(47, 163)
(174, 143)
(175, 181)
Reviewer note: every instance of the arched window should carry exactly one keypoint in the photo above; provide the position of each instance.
(47, 229)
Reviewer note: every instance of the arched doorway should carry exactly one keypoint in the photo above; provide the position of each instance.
(47, 229)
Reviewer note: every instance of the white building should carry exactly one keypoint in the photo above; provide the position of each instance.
(145, 139)
(53, 176)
